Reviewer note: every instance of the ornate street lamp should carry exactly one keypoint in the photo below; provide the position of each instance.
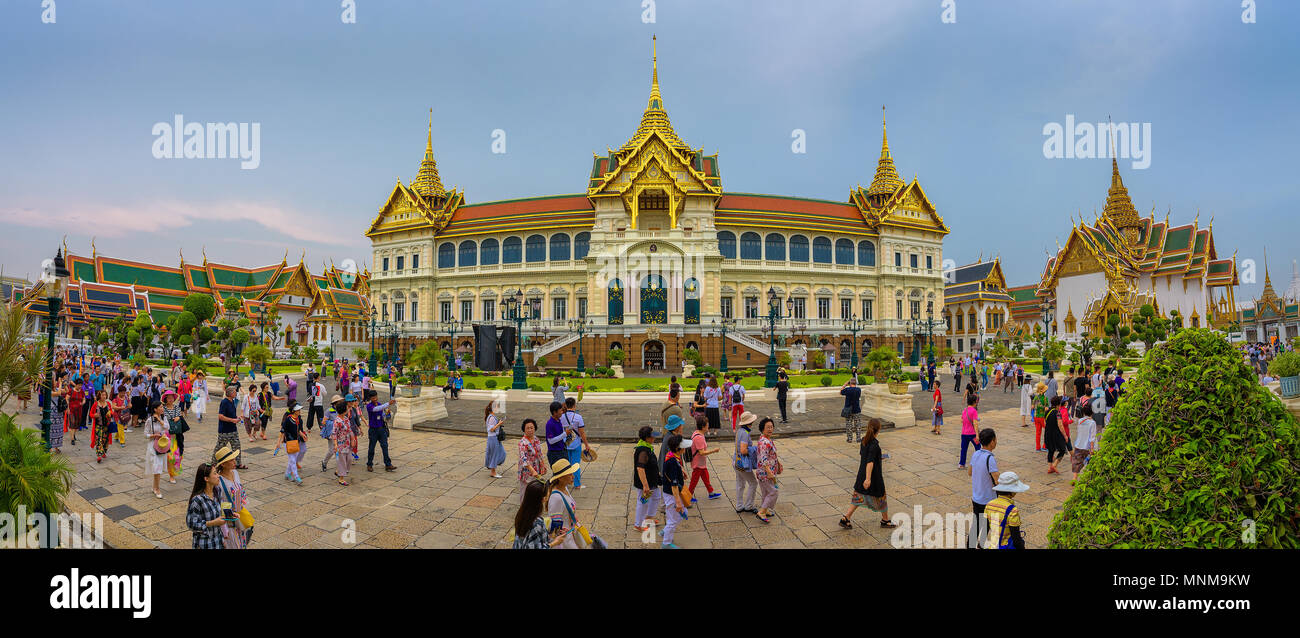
(727, 324)
(451, 328)
(580, 327)
(55, 279)
(774, 314)
(1049, 307)
(513, 309)
(374, 361)
(854, 326)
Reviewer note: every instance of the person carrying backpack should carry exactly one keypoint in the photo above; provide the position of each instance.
(737, 401)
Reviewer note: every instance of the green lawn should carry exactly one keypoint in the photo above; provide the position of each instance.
(648, 384)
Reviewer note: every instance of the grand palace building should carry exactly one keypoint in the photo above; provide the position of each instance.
(656, 256)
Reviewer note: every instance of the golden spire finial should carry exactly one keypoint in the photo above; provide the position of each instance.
(205, 255)
(181, 252)
(93, 252)
(427, 183)
(655, 117)
(65, 246)
(886, 181)
(1197, 222)
(302, 257)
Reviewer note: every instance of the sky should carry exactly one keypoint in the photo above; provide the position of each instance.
(342, 109)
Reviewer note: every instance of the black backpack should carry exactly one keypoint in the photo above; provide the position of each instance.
(738, 394)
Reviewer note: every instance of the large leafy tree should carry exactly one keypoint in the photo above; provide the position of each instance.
(30, 476)
(1196, 454)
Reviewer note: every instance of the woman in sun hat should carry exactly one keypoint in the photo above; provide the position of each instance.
(291, 431)
(1004, 515)
(175, 415)
(560, 504)
(766, 470)
(745, 460)
(233, 497)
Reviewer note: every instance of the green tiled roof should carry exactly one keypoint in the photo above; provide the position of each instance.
(1178, 238)
(127, 275)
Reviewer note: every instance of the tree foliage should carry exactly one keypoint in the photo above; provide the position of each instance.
(1196, 454)
(1148, 328)
(1117, 334)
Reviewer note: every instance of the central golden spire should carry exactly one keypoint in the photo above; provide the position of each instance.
(887, 181)
(655, 117)
(1119, 210)
(428, 183)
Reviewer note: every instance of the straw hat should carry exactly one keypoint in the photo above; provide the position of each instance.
(589, 455)
(335, 399)
(1010, 482)
(562, 467)
(224, 454)
(1040, 388)
(747, 418)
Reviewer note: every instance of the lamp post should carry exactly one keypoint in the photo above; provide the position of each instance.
(1048, 309)
(512, 310)
(580, 327)
(727, 324)
(774, 314)
(374, 362)
(980, 334)
(854, 326)
(451, 328)
(55, 278)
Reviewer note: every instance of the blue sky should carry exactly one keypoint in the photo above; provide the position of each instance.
(343, 112)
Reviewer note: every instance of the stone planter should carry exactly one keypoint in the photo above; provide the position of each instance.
(618, 371)
(899, 387)
(1290, 387)
(408, 391)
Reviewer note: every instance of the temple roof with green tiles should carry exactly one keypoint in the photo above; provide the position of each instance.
(100, 287)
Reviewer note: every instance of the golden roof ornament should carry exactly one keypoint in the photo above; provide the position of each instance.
(655, 117)
(1119, 208)
(427, 183)
(887, 182)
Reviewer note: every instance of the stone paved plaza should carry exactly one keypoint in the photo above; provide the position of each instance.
(442, 497)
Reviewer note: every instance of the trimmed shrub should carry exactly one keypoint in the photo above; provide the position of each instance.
(535, 388)
(471, 386)
(826, 381)
(1195, 447)
(703, 370)
(490, 383)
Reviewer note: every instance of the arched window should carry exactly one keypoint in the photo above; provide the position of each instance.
(468, 253)
(844, 251)
(691, 288)
(511, 250)
(581, 242)
(727, 244)
(821, 250)
(798, 248)
(751, 246)
(866, 253)
(615, 303)
(535, 248)
(488, 252)
(447, 255)
(774, 247)
(559, 247)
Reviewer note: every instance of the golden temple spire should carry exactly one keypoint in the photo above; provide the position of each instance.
(655, 117)
(427, 183)
(887, 182)
(1119, 210)
(93, 252)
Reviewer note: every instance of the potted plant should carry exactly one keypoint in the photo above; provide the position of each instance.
(405, 389)
(1286, 367)
(880, 361)
(896, 379)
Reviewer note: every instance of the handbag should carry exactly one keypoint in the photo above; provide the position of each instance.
(291, 447)
(162, 444)
(243, 517)
(846, 412)
(580, 529)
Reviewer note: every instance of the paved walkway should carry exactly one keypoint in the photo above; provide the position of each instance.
(441, 496)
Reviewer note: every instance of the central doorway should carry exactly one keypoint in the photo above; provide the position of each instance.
(652, 355)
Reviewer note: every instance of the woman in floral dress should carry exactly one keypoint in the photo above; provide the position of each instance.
(532, 462)
(345, 439)
(768, 467)
(230, 490)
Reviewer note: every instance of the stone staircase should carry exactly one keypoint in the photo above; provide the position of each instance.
(553, 345)
(749, 342)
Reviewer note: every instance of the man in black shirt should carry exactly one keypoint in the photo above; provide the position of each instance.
(782, 387)
(228, 425)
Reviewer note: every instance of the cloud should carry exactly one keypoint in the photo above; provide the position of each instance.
(166, 216)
